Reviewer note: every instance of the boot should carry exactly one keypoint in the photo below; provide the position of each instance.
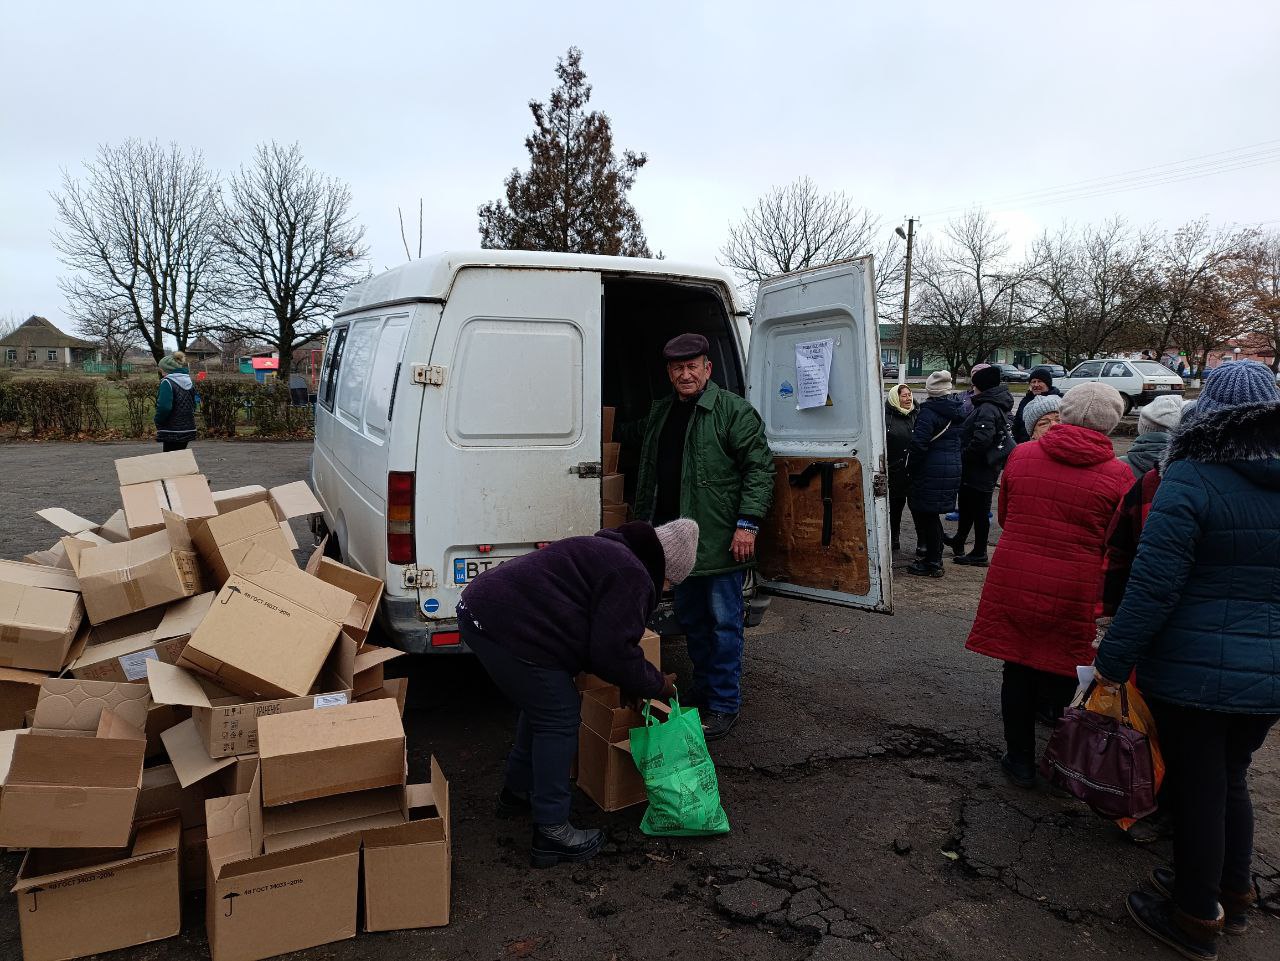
(971, 560)
(557, 843)
(925, 569)
(1020, 771)
(1191, 937)
(1235, 906)
(512, 804)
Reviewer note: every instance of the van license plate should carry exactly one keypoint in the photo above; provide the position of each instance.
(467, 569)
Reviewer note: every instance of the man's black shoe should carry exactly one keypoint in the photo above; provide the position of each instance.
(716, 724)
(1191, 937)
(1235, 907)
(970, 561)
(563, 843)
(925, 569)
(1020, 772)
(512, 805)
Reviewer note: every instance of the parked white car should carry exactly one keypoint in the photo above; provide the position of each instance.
(1139, 381)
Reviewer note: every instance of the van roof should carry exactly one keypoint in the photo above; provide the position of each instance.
(431, 277)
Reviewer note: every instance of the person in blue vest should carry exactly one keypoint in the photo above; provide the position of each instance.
(176, 403)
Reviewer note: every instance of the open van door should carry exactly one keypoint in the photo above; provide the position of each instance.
(827, 535)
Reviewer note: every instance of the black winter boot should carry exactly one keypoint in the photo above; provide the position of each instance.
(557, 843)
(1191, 937)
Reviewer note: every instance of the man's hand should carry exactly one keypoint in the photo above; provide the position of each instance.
(1104, 682)
(1101, 626)
(744, 545)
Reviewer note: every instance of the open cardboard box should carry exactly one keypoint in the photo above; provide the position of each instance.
(354, 747)
(270, 629)
(114, 530)
(228, 723)
(606, 772)
(73, 779)
(40, 616)
(224, 540)
(125, 659)
(73, 903)
(154, 467)
(288, 501)
(119, 579)
(144, 504)
(366, 589)
(19, 692)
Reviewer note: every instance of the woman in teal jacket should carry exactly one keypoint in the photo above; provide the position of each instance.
(1198, 621)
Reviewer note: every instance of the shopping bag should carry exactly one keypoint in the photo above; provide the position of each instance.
(1103, 760)
(1105, 700)
(679, 776)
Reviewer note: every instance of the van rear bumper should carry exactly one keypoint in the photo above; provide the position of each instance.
(406, 630)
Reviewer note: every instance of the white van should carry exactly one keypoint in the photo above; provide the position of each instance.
(458, 418)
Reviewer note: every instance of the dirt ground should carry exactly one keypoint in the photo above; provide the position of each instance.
(869, 817)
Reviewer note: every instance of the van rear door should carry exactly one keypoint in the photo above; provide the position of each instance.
(826, 537)
(509, 450)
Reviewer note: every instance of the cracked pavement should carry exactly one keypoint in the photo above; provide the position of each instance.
(869, 817)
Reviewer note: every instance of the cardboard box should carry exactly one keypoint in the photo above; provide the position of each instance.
(260, 905)
(355, 747)
(224, 541)
(607, 417)
(125, 659)
(187, 496)
(38, 625)
(19, 691)
(23, 574)
(613, 489)
(270, 630)
(611, 453)
(74, 778)
(615, 515)
(154, 467)
(650, 645)
(114, 530)
(306, 822)
(288, 501)
(366, 589)
(407, 868)
(606, 772)
(77, 903)
(119, 579)
(228, 723)
(395, 689)
(370, 668)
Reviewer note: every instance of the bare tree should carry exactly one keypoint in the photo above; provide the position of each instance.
(404, 239)
(113, 329)
(1182, 270)
(138, 235)
(1255, 272)
(292, 250)
(797, 227)
(9, 323)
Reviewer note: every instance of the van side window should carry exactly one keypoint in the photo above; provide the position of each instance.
(332, 363)
(386, 359)
(357, 357)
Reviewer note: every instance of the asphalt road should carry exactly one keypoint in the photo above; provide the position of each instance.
(869, 817)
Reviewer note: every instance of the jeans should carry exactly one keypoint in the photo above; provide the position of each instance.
(897, 502)
(175, 445)
(1206, 789)
(547, 730)
(710, 609)
(929, 534)
(1023, 691)
(975, 505)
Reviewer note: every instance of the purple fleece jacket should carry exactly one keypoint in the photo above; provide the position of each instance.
(579, 604)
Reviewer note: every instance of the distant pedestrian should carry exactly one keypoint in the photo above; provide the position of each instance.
(899, 421)
(966, 401)
(1041, 414)
(1039, 384)
(1198, 621)
(1155, 422)
(985, 445)
(175, 403)
(934, 469)
(1040, 598)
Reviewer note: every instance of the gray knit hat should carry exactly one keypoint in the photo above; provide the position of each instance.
(1037, 408)
(939, 383)
(1095, 406)
(171, 362)
(679, 540)
(1239, 382)
(1161, 415)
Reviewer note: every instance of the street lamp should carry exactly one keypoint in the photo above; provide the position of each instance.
(909, 237)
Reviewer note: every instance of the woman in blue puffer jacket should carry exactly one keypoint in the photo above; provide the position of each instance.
(1199, 622)
(934, 467)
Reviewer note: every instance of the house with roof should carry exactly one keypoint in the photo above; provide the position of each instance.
(203, 352)
(38, 343)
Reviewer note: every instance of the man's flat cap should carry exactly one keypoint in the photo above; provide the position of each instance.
(686, 347)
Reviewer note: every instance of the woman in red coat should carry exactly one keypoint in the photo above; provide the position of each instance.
(1039, 601)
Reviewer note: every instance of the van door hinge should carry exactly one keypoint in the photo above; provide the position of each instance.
(880, 485)
(432, 375)
(419, 577)
(588, 469)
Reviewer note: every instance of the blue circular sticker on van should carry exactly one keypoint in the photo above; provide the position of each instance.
(431, 605)
(785, 389)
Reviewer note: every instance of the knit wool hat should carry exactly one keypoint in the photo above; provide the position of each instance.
(171, 362)
(679, 540)
(1239, 382)
(1095, 406)
(1042, 374)
(985, 376)
(1161, 415)
(1037, 408)
(939, 384)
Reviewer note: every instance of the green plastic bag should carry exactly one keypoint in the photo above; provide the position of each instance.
(672, 757)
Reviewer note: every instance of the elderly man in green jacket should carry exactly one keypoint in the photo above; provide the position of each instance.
(704, 456)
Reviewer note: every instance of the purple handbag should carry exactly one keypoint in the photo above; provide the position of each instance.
(1102, 760)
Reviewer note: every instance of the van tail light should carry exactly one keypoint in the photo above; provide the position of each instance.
(400, 548)
(446, 639)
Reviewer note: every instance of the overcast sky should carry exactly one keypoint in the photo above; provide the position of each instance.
(910, 108)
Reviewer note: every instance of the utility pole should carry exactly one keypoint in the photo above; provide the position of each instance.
(906, 299)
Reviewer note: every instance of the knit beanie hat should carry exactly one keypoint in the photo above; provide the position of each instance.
(938, 384)
(1161, 415)
(171, 362)
(1037, 408)
(985, 376)
(1042, 374)
(1095, 406)
(1239, 382)
(679, 540)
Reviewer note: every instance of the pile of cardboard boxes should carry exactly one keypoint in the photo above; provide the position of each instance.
(183, 707)
(613, 486)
